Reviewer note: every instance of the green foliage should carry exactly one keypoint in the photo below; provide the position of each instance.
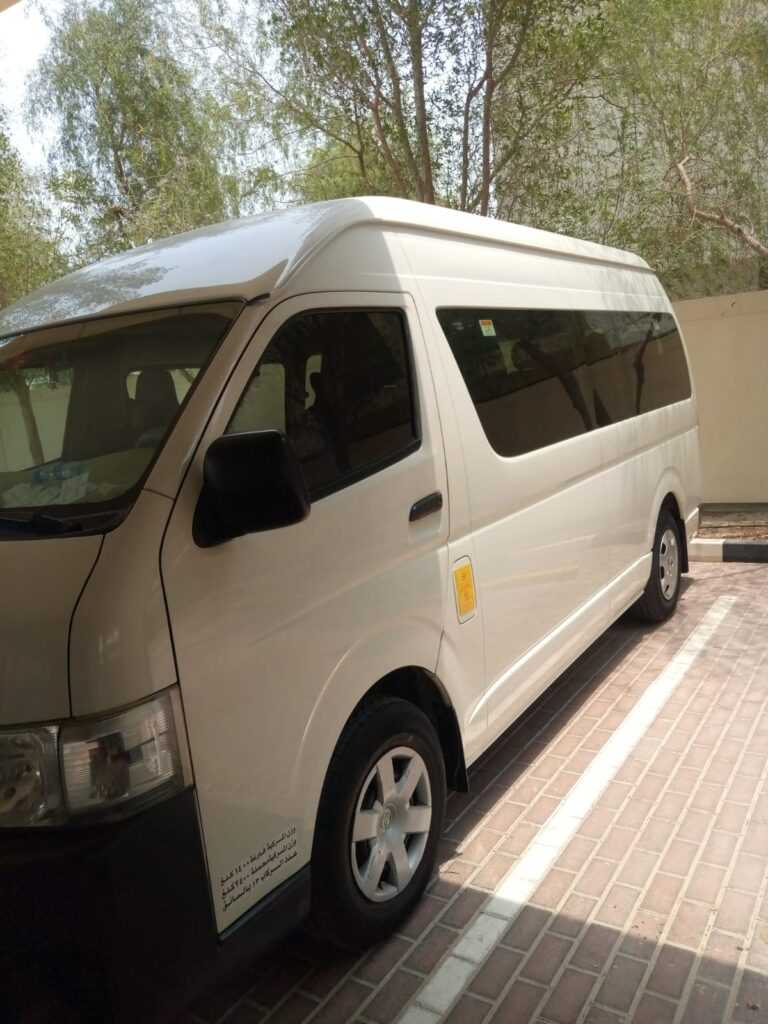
(333, 172)
(30, 253)
(441, 101)
(677, 79)
(692, 79)
(139, 139)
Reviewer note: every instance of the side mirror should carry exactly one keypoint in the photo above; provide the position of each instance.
(251, 482)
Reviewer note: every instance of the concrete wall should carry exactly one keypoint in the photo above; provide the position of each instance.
(727, 341)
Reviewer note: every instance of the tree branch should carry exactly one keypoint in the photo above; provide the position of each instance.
(719, 219)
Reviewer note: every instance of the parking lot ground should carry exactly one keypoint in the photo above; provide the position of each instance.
(610, 864)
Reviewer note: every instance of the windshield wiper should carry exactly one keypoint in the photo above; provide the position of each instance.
(40, 522)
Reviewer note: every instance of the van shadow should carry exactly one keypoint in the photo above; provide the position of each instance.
(599, 946)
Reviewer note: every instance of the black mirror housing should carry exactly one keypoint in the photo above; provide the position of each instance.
(251, 482)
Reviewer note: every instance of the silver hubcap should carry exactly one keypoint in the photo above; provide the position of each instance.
(391, 824)
(668, 564)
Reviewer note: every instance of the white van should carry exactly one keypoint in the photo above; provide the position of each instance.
(297, 514)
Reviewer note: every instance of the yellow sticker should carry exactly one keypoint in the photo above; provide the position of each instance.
(464, 584)
(486, 326)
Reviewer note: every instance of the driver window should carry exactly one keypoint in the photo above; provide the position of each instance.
(338, 384)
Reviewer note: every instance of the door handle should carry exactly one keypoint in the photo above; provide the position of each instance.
(426, 506)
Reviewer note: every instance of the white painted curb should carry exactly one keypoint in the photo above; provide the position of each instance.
(709, 550)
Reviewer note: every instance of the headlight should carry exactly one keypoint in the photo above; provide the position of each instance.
(30, 790)
(91, 768)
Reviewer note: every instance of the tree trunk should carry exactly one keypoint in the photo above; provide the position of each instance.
(398, 108)
(472, 92)
(28, 415)
(485, 180)
(422, 124)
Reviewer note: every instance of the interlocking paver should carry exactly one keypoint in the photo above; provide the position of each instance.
(679, 857)
(381, 961)
(749, 872)
(572, 915)
(527, 928)
(595, 948)
(296, 1008)
(720, 957)
(568, 997)
(637, 868)
(553, 888)
(546, 959)
(392, 997)
(621, 983)
(595, 877)
(519, 1003)
(671, 971)
(493, 976)
(705, 883)
(652, 1010)
(576, 853)
(468, 1011)
(689, 924)
(719, 849)
(655, 911)
(735, 912)
(706, 1004)
(430, 949)
(343, 1003)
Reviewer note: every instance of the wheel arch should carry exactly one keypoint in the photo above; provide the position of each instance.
(670, 494)
(670, 501)
(424, 690)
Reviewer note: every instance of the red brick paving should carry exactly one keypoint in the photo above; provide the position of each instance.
(655, 913)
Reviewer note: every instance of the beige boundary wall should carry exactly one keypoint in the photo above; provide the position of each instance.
(727, 342)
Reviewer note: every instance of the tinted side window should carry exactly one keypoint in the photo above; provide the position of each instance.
(526, 371)
(540, 376)
(338, 384)
(638, 363)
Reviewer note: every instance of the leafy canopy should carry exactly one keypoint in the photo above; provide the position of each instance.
(139, 138)
(30, 252)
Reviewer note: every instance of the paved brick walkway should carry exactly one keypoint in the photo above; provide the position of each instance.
(654, 912)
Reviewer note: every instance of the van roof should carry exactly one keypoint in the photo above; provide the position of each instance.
(255, 256)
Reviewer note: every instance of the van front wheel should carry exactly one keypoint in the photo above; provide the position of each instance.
(380, 819)
(659, 599)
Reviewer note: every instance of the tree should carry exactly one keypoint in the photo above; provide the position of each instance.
(141, 141)
(688, 81)
(429, 100)
(30, 251)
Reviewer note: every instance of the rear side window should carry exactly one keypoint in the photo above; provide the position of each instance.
(338, 384)
(537, 377)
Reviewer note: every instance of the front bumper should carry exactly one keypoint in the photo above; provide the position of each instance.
(114, 921)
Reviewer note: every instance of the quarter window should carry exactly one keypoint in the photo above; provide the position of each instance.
(338, 385)
(540, 376)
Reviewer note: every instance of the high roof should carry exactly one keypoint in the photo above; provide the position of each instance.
(258, 255)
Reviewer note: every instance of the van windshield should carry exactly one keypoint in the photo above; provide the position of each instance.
(84, 408)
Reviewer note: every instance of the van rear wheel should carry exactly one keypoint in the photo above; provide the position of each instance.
(380, 818)
(662, 591)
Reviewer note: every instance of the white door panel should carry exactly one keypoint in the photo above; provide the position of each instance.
(539, 551)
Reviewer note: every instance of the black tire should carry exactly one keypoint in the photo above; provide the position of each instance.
(341, 913)
(655, 605)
